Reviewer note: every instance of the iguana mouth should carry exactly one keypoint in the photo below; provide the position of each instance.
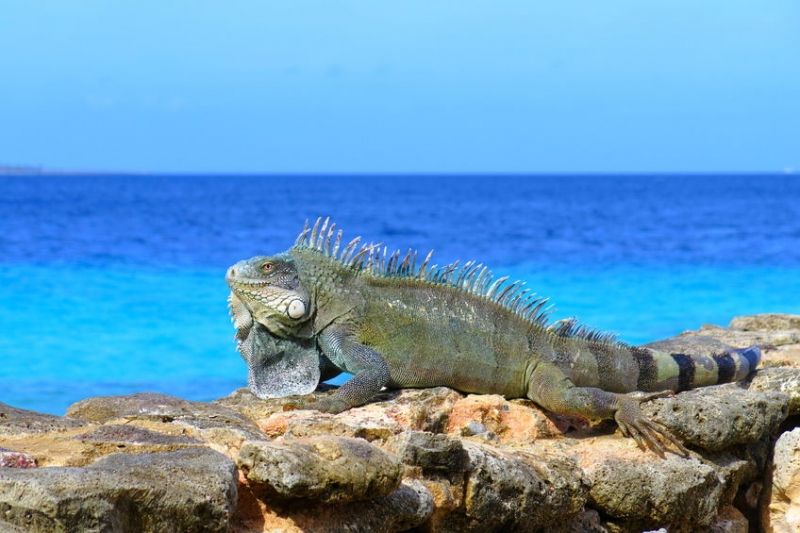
(255, 291)
(288, 303)
(247, 282)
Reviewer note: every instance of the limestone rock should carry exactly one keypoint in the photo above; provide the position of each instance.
(782, 514)
(371, 422)
(778, 334)
(401, 510)
(741, 471)
(207, 421)
(329, 469)
(13, 459)
(152, 405)
(510, 421)
(414, 409)
(715, 418)
(431, 460)
(635, 490)
(15, 421)
(423, 409)
(588, 521)
(511, 490)
(408, 506)
(479, 487)
(767, 330)
(767, 322)
(679, 491)
(690, 343)
(742, 339)
(433, 453)
(120, 435)
(253, 407)
(187, 490)
(5, 527)
(784, 380)
(729, 520)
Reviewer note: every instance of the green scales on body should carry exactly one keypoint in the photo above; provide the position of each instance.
(314, 311)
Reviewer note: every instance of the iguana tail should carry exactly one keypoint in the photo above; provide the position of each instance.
(678, 372)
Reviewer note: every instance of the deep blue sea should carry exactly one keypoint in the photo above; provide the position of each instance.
(115, 284)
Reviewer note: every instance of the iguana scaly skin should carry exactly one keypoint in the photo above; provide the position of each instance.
(315, 310)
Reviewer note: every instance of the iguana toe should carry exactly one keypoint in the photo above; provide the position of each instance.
(647, 434)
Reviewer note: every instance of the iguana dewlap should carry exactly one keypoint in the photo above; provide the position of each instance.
(315, 310)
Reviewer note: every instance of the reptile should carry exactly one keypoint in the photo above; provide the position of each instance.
(320, 308)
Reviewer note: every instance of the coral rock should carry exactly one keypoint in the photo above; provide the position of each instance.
(783, 511)
(186, 490)
(329, 469)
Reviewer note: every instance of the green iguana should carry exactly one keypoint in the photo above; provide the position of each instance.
(313, 311)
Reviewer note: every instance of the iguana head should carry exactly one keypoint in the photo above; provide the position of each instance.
(268, 290)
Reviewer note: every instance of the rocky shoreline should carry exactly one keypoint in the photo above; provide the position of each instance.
(425, 460)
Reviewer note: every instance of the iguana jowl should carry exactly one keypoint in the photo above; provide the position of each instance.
(315, 310)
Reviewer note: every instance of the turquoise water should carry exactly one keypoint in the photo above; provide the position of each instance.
(643, 304)
(81, 332)
(112, 285)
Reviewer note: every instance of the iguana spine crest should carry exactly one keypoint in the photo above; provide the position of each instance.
(472, 277)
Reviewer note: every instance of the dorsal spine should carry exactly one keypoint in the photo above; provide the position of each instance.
(472, 277)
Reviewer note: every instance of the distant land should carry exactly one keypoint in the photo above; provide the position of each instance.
(31, 170)
(27, 170)
(18, 169)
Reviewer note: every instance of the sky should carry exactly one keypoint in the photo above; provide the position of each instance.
(362, 86)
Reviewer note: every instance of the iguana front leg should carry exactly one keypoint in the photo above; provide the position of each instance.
(370, 372)
(552, 389)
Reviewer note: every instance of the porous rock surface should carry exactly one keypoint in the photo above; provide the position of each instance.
(329, 469)
(426, 460)
(186, 490)
(782, 515)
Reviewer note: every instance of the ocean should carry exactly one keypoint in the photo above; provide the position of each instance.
(115, 284)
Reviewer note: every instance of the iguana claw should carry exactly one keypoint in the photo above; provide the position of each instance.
(647, 434)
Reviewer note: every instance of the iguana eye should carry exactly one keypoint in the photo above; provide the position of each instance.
(267, 267)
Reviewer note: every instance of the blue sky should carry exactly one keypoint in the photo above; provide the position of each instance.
(317, 86)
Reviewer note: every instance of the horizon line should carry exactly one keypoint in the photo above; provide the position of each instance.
(11, 170)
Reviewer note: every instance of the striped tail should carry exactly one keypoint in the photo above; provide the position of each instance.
(680, 372)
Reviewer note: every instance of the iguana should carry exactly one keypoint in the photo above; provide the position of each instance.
(318, 309)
